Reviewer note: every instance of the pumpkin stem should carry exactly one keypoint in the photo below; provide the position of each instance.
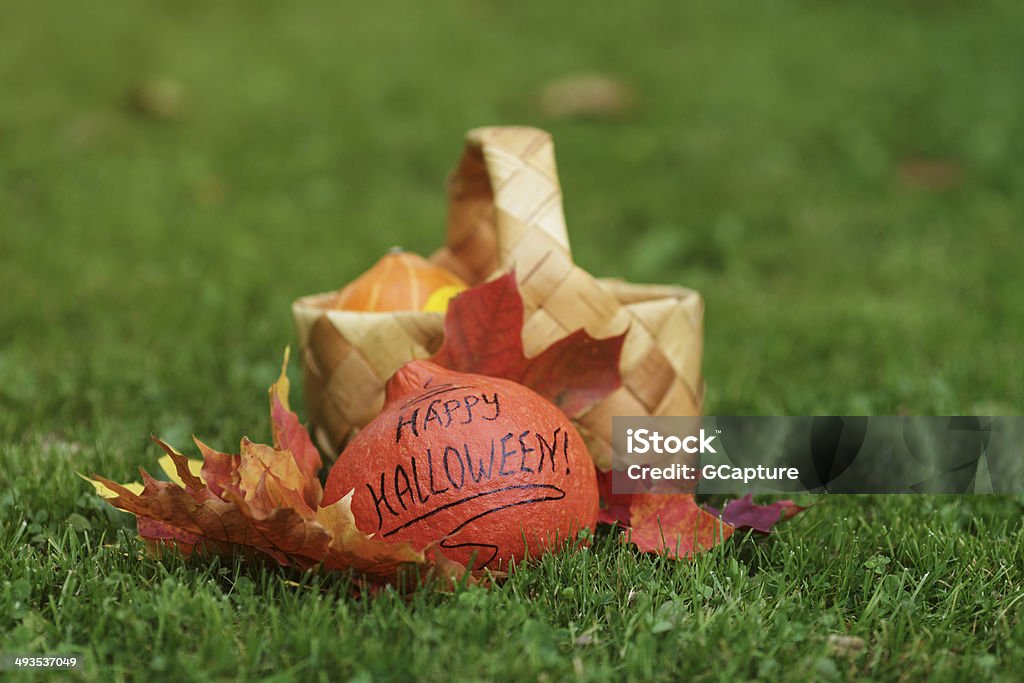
(415, 377)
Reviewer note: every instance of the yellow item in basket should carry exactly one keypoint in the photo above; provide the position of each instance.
(400, 281)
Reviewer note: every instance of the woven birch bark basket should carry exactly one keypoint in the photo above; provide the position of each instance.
(505, 213)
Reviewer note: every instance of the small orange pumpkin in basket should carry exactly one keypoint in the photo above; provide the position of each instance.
(400, 281)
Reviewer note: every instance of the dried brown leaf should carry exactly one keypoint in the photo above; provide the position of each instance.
(266, 501)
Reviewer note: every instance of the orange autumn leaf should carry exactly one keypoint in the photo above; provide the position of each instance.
(673, 525)
(265, 501)
(290, 435)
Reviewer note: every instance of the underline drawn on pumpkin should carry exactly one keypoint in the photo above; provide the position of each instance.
(558, 495)
(439, 390)
(448, 545)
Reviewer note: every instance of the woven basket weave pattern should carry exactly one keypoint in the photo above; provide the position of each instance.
(506, 213)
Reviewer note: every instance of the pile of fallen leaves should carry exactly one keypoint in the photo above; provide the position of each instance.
(265, 500)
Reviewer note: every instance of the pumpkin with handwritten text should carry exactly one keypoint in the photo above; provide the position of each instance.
(485, 468)
(400, 281)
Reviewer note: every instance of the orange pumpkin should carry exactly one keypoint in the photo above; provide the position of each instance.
(400, 281)
(485, 466)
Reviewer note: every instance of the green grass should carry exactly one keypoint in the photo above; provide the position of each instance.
(147, 267)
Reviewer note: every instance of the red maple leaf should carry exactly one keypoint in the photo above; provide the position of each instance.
(483, 333)
(614, 506)
(743, 513)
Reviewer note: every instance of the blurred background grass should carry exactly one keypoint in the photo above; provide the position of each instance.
(842, 182)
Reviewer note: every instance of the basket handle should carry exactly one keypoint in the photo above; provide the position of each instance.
(505, 212)
(504, 201)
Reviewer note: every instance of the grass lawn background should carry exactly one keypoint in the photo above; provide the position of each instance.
(778, 160)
